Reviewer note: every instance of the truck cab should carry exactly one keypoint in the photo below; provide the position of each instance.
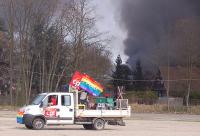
(43, 111)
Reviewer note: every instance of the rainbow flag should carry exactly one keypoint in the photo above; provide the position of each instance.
(90, 85)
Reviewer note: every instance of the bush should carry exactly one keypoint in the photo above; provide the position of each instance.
(195, 95)
(142, 97)
(145, 94)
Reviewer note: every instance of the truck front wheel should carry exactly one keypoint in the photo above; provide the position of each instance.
(98, 124)
(28, 126)
(88, 126)
(38, 123)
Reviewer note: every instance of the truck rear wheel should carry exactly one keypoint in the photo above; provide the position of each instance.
(88, 126)
(99, 124)
(38, 123)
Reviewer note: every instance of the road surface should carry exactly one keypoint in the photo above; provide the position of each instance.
(138, 125)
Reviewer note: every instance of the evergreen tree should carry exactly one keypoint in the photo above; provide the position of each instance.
(122, 74)
(138, 74)
(158, 84)
(117, 74)
(118, 61)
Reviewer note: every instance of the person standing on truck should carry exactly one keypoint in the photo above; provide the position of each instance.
(83, 97)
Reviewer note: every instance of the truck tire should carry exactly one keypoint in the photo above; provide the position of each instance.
(88, 126)
(38, 124)
(28, 126)
(99, 124)
(28, 121)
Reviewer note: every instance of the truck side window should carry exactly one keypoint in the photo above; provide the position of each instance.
(66, 100)
(53, 100)
(45, 102)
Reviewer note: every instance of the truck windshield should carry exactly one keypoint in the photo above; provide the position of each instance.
(38, 100)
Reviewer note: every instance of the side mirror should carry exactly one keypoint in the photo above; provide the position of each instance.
(41, 104)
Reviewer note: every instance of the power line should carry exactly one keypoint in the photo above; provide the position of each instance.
(108, 78)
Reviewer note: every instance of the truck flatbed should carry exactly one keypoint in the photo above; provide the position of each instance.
(104, 113)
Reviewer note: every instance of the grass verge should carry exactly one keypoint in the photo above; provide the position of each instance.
(156, 108)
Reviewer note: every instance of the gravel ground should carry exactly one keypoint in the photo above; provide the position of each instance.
(138, 125)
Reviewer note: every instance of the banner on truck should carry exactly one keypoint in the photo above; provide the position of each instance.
(87, 83)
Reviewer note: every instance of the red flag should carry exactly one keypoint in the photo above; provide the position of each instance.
(76, 79)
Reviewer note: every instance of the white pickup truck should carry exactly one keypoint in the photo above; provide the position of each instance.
(67, 111)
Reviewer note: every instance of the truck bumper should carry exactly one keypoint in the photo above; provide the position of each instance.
(20, 120)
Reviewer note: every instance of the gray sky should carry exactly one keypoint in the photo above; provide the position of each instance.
(108, 22)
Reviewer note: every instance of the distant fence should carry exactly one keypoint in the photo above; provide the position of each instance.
(195, 102)
(4, 100)
(142, 101)
(162, 100)
(173, 102)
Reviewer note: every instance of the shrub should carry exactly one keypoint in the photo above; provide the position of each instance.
(195, 95)
(145, 94)
(142, 97)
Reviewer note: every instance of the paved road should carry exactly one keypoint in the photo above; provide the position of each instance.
(139, 125)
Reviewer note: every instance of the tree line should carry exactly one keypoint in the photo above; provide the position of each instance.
(44, 41)
(135, 79)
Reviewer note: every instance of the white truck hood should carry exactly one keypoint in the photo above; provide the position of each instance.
(31, 109)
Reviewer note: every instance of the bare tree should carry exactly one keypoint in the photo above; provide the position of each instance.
(49, 37)
(8, 6)
(186, 38)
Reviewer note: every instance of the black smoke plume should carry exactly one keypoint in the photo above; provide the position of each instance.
(147, 21)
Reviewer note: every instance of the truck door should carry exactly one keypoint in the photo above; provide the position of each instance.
(66, 113)
(51, 108)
